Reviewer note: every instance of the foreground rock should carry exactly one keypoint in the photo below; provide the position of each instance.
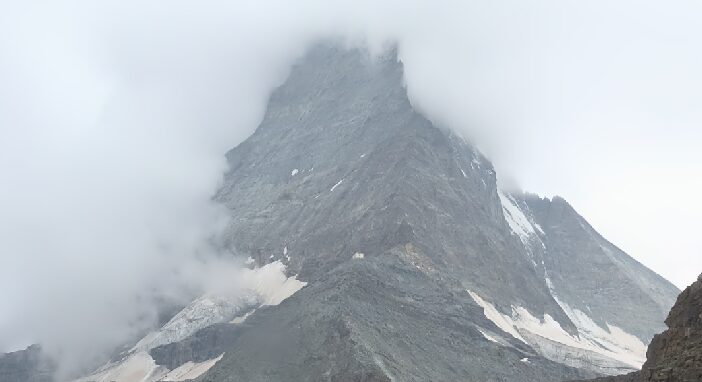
(676, 354)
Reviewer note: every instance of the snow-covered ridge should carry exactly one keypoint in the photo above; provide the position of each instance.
(267, 285)
(612, 342)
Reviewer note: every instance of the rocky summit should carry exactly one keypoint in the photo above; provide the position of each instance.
(397, 256)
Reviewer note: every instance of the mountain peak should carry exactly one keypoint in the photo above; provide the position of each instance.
(343, 164)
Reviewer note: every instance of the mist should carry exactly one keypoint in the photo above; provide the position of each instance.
(115, 117)
(113, 140)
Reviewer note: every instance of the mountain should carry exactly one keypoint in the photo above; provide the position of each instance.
(343, 164)
(676, 354)
(397, 256)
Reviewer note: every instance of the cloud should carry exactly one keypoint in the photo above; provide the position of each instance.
(114, 117)
(112, 141)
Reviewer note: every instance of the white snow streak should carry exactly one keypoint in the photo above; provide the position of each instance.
(518, 222)
(336, 185)
(488, 337)
(241, 319)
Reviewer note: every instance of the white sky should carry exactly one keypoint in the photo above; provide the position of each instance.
(114, 116)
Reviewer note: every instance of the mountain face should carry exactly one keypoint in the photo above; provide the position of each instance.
(403, 260)
(676, 354)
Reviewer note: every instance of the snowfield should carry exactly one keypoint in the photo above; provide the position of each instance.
(611, 342)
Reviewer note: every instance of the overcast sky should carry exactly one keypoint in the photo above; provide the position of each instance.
(114, 116)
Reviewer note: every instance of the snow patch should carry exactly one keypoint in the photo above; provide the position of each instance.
(612, 342)
(516, 219)
(358, 255)
(336, 185)
(271, 284)
(294, 172)
(622, 346)
(242, 318)
(502, 321)
(138, 367)
(549, 284)
(488, 337)
(538, 228)
(191, 370)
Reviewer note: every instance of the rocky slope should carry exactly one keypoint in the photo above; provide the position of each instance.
(676, 354)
